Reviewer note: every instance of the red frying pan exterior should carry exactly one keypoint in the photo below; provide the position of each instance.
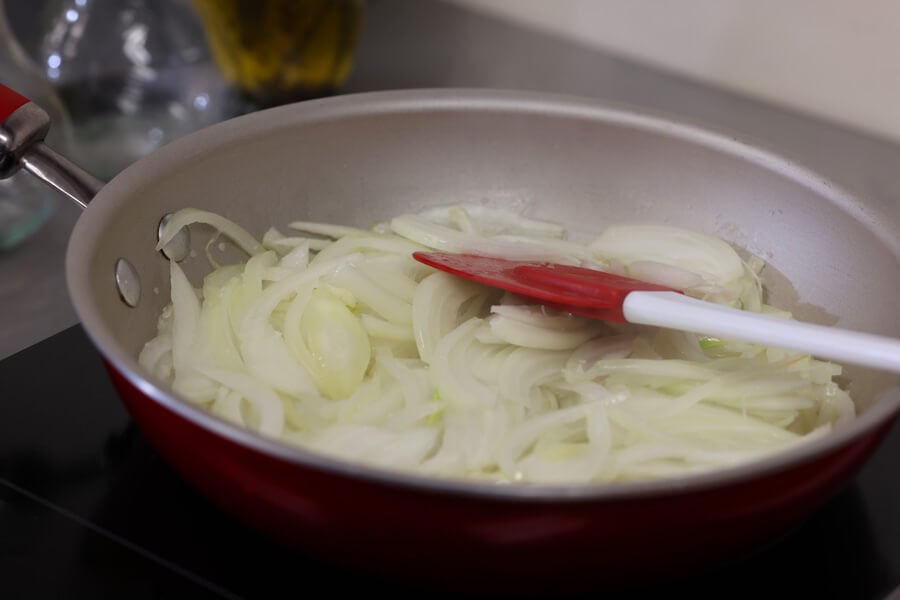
(406, 533)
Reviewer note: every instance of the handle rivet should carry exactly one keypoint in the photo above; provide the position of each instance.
(128, 282)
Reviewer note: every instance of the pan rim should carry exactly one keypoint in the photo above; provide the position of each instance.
(81, 245)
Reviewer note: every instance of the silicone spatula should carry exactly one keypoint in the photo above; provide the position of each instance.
(608, 297)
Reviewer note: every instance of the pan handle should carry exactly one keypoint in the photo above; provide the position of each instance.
(23, 126)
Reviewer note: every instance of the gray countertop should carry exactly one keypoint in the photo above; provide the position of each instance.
(424, 43)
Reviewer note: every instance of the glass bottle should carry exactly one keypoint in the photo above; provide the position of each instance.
(278, 51)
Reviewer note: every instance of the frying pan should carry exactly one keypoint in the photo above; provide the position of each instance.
(362, 158)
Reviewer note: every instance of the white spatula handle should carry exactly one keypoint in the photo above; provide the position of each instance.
(676, 311)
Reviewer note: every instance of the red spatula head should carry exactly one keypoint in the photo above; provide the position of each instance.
(581, 291)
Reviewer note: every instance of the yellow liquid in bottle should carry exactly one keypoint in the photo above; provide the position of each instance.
(277, 51)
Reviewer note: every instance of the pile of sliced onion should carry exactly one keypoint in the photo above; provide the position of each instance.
(335, 339)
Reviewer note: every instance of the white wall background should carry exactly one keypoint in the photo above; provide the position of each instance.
(837, 59)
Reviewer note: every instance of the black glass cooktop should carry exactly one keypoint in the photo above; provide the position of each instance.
(88, 510)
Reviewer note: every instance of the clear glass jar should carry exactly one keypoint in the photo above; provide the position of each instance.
(134, 74)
